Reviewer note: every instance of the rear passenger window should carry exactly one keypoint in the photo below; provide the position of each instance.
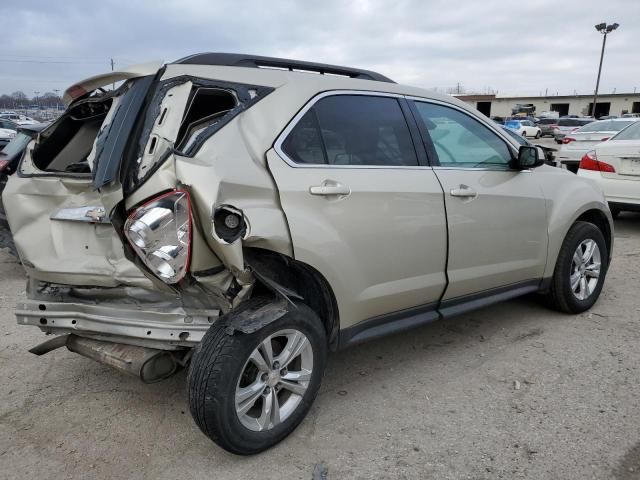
(352, 130)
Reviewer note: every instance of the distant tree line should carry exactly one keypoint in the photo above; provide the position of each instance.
(19, 100)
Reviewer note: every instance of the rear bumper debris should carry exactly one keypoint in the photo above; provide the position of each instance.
(165, 329)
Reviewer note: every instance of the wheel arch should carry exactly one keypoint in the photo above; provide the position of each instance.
(308, 283)
(596, 213)
(599, 219)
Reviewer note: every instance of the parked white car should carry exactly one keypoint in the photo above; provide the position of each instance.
(6, 136)
(579, 142)
(526, 128)
(615, 166)
(19, 119)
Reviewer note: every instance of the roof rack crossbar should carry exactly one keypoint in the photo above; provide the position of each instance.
(254, 61)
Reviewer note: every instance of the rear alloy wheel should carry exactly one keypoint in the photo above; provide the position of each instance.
(271, 386)
(580, 269)
(247, 392)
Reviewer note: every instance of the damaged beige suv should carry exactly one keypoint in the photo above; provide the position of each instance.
(243, 216)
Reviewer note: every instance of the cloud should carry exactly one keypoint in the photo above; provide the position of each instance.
(513, 47)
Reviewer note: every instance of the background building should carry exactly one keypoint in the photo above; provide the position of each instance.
(611, 104)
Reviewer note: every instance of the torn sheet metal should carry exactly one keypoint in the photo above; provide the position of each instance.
(251, 318)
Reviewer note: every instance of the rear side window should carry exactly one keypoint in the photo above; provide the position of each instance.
(352, 130)
(629, 133)
(573, 122)
(605, 126)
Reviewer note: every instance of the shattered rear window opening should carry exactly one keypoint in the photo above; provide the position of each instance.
(211, 104)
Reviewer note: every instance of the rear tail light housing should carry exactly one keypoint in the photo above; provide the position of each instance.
(566, 140)
(160, 232)
(590, 162)
(3, 165)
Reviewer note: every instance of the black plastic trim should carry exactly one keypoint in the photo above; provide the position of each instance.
(631, 207)
(411, 318)
(257, 61)
(467, 303)
(414, 132)
(384, 325)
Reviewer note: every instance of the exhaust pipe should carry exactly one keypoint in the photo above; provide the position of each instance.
(148, 364)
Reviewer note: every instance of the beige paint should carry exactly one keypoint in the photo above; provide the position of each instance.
(500, 236)
(382, 248)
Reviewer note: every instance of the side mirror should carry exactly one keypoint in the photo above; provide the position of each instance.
(528, 157)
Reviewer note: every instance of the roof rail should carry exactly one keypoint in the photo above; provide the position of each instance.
(255, 61)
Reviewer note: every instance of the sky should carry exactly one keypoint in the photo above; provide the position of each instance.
(512, 47)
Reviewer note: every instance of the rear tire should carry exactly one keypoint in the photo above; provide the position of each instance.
(573, 289)
(231, 396)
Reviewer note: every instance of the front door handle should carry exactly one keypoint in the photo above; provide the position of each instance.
(464, 192)
(328, 188)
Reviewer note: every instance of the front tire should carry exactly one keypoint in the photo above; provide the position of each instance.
(247, 392)
(538, 135)
(580, 269)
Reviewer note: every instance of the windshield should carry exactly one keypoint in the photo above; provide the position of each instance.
(605, 126)
(630, 133)
(16, 146)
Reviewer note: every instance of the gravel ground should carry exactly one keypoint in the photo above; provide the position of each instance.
(511, 391)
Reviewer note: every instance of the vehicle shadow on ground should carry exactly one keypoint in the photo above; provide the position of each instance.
(627, 224)
(371, 363)
(435, 353)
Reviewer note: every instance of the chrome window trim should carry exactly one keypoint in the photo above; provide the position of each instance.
(331, 93)
(490, 124)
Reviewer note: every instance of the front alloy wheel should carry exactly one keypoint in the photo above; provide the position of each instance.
(580, 269)
(585, 269)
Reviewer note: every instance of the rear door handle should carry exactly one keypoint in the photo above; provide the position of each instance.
(464, 192)
(329, 188)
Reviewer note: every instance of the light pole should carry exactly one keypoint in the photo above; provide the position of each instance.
(57, 92)
(605, 30)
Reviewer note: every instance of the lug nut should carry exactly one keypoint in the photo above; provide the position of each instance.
(266, 391)
(283, 372)
(264, 377)
(276, 365)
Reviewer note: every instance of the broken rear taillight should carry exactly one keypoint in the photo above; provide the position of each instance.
(160, 233)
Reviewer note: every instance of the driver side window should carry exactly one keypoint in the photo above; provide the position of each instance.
(460, 140)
